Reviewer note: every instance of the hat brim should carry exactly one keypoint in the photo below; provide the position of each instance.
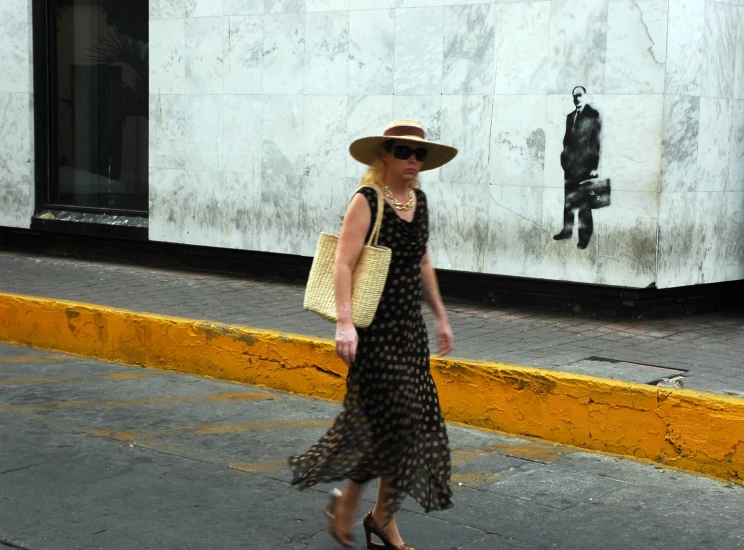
(367, 149)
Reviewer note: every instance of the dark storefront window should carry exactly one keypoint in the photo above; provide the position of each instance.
(97, 57)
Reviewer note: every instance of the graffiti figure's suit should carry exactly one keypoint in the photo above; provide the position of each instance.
(580, 161)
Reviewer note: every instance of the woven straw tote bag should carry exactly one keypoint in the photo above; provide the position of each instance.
(367, 280)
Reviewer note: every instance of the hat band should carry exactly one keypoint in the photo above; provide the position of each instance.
(398, 131)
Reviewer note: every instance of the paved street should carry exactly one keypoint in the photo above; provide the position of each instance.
(103, 455)
(706, 349)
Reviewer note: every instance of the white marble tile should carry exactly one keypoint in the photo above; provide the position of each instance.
(559, 107)
(16, 190)
(680, 143)
(517, 155)
(367, 115)
(242, 7)
(284, 54)
(171, 205)
(242, 134)
(719, 50)
(371, 52)
(167, 9)
(419, 38)
(631, 141)
(243, 66)
(468, 49)
(427, 111)
(324, 136)
(626, 233)
(205, 53)
(204, 226)
(313, 6)
(15, 55)
(16, 116)
(733, 238)
(326, 53)
(562, 260)
(168, 56)
(284, 6)
(466, 122)
(324, 201)
(714, 219)
(685, 46)
(515, 230)
(204, 132)
(636, 46)
(241, 209)
(19, 10)
(736, 170)
(522, 43)
(714, 144)
(283, 129)
(371, 4)
(578, 40)
(739, 61)
(280, 220)
(203, 8)
(167, 124)
(458, 220)
(681, 246)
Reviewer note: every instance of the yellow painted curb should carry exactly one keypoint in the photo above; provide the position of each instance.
(685, 429)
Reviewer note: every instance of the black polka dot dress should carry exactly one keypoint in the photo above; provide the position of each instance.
(391, 424)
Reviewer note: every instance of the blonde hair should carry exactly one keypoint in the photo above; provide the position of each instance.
(375, 175)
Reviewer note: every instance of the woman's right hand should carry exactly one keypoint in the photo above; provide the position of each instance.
(346, 341)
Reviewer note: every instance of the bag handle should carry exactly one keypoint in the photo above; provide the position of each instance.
(375, 234)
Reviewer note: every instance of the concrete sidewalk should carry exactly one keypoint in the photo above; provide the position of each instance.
(102, 455)
(706, 350)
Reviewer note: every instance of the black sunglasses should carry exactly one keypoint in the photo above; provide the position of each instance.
(404, 152)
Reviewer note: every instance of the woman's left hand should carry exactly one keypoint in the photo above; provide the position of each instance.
(445, 338)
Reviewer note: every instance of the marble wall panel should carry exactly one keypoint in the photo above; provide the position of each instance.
(371, 52)
(242, 193)
(712, 219)
(466, 124)
(719, 50)
(242, 7)
(312, 6)
(167, 126)
(736, 170)
(283, 122)
(468, 49)
(16, 117)
(515, 243)
(242, 133)
(279, 224)
(636, 46)
(324, 201)
(733, 237)
(427, 111)
(355, 5)
(685, 47)
(284, 54)
(739, 56)
(15, 49)
(167, 9)
(170, 205)
(679, 159)
(458, 216)
(203, 8)
(168, 56)
(204, 132)
(243, 67)
(16, 190)
(632, 141)
(419, 40)
(714, 144)
(284, 6)
(578, 45)
(518, 141)
(205, 215)
(562, 260)
(367, 115)
(521, 47)
(324, 136)
(327, 53)
(626, 233)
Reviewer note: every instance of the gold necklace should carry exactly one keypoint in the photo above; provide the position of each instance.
(396, 203)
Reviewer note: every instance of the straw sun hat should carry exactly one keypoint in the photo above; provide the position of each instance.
(367, 149)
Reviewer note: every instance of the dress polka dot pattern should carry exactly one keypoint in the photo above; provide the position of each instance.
(391, 424)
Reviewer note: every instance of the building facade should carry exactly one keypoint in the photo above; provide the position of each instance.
(601, 141)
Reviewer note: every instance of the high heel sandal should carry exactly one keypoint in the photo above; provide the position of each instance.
(344, 539)
(370, 527)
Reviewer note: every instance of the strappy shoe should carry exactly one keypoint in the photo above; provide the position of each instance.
(371, 526)
(344, 539)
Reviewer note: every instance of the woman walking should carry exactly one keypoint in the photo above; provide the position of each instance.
(391, 426)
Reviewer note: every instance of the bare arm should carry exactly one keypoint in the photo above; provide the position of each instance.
(445, 338)
(350, 243)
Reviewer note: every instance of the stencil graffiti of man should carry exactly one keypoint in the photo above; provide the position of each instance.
(580, 162)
